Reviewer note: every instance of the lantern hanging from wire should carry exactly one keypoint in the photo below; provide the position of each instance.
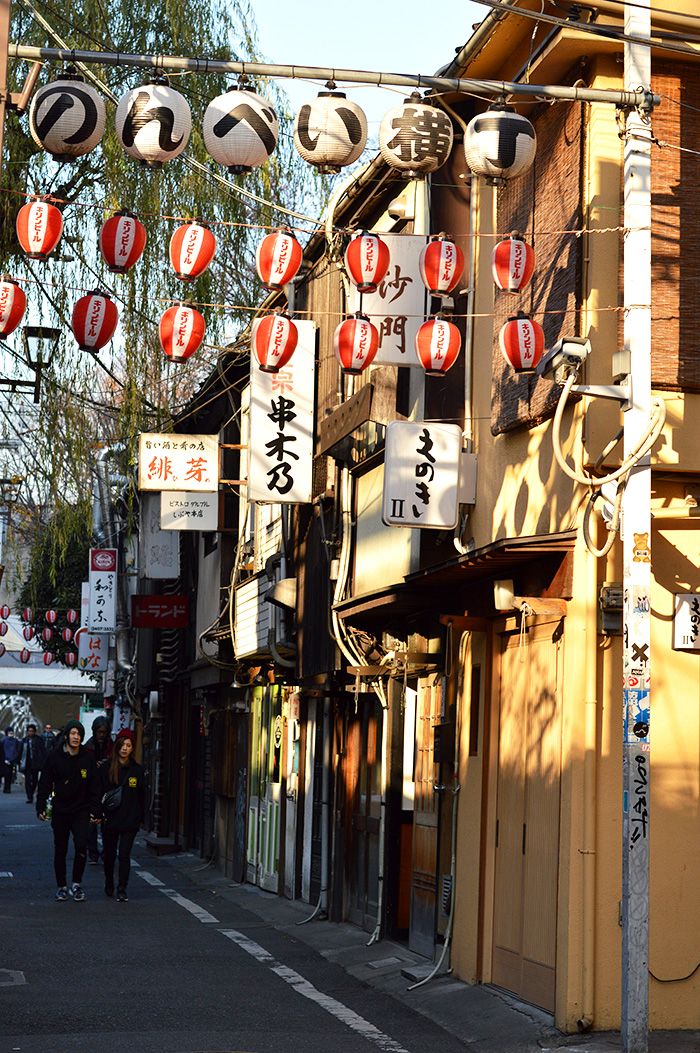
(13, 304)
(441, 264)
(192, 249)
(181, 331)
(330, 131)
(67, 117)
(278, 258)
(522, 343)
(28, 633)
(27, 614)
(39, 228)
(355, 343)
(47, 635)
(95, 319)
(512, 263)
(70, 658)
(240, 130)
(438, 343)
(3, 628)
(274, 339)
(67, 635)
(48, 658)
(72, 617)
(415, 138)
(366, 261)
(122, 241)
(499, 144)
(4, 611)
(153, 123)
(51, 617)
(25, 655)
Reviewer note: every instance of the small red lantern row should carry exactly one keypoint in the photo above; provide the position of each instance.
(355, 343)
(28, 632)
(95, 318)
(441, 264)
(366, 261)
(4, 611)
(278, 259)
(27, 614)
(51, 617)
(48, 658)
(512, 263)
(438, 344)
(39, 228)
(3, 628)
(274, 339)
(24, 655)
(522, 343)
(122, 241)
(181, 331)
(70, 658)
(72, 617)
(13, 304)
(67, 635)
(47, 635)
(192, 249)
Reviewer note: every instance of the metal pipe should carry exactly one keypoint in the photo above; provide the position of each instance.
(590, 741)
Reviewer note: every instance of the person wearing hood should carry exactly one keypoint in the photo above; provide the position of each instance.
(123, 782)
(101, 744)
(70, 773)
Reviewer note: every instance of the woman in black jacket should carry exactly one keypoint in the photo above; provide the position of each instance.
(121, 823)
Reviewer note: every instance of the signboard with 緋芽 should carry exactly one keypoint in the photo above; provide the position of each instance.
(178, 462)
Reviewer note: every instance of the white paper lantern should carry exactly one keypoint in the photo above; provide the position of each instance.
(330, 131)
(67, 117)
(153, 123)
(499, 144)
(240, 130)
(415, 138)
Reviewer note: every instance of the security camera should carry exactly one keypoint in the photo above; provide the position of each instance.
(566, 357)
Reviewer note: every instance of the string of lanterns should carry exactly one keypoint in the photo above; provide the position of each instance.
(70, 658)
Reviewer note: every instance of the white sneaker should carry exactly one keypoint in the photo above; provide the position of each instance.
(77, 893)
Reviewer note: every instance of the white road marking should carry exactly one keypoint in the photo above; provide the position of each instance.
(6, 873)
(199, 912)
(149, 878)
(303, 987)
(12, 978)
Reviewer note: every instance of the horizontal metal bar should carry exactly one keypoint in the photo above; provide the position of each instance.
(485, 88)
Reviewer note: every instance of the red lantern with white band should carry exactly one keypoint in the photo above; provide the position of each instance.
(274, 339)
(192, 249)
(512, 263)
(2, 649)
(122, 241)
(72, 617)
(366, 261)
(95, 318)
(27, 614)
(438, 343)
(28, 633)
(51, 617)
(13, 304)
(522, 343)
(47, 635)
(39, 228)
(70, 658)
(3, 628)
(67, 635)
(355, 344)
(4, 611)
(278, 259)
(441, 264)
(24, 655)
(48, 658)
(181, 331)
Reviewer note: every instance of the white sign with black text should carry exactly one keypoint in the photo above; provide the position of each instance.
(102, 585)
(182, 511)
(422, 475)
(159, 550)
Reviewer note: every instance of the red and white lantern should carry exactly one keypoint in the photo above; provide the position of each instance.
(72, 617)
(274, 339)
(47, 635)
(122, 241)
(95, 318)
(67, 635)
(4, 611)
(39, 228)
(181, 331)
(366, 261)
(27, 614)
(522, 343)
(2, 649)
(28, 633)
(355, 344)
(3, 628)
(192, 249)
(51, 617)
(48, 658)
(24, 655)
(512, 263)
(70, 658)
(13, 304)
(438, 343)
(278, 259)
(441, 264)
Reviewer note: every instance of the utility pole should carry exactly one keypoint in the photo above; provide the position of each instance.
(636, 510)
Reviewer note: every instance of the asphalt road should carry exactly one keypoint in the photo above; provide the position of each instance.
(177, 969)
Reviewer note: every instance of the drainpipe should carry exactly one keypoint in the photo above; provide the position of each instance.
(108, 530)
(589, 795)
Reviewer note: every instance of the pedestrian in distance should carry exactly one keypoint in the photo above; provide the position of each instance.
(123, 780)
(32, 760)
(100, 744)
(11, 751)
(70, 773)
(49, 737)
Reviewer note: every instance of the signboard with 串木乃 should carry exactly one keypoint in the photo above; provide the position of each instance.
(281, 426)
(102, 590)
(178, 462)
(421, 475)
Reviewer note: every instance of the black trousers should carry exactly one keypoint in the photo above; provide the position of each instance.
(7, 772)
(63, 827)
(124, 839)
(31, 778)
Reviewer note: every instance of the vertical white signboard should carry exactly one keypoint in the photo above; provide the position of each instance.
(421, 475)
(102, 582)
(398, 308)
(159, 550)
(280, 444)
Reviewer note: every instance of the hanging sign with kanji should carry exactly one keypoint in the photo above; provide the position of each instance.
(102, 589)
(281, 426)
(178, 462)
(686, 621)
(93, 651)
(421, 475)
(160, 612)
(180, 510)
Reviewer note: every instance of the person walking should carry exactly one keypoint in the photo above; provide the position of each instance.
(123, 778)
(32, 760)
(49, 737)
(100, 744)
(70, 773)
(12, 748)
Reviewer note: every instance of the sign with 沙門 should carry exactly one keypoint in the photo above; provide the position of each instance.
(159, 550)
(421, 475)
(399, 306)
(686, 621)
(182, 511)
(102, 590)
(178, 462)
(93, 651)
(160, 612)
(280, 447)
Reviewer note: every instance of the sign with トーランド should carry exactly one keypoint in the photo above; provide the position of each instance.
(421, 475)
(102, 590)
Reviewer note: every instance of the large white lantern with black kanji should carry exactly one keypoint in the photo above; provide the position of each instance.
(330, 131)
(415, 138)
(67, 117)
(499, 144)
(153, 123)
(240, 130)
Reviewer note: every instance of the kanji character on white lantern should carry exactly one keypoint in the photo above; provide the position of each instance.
(67, 117)
(153, 123)
(240, 130)
(415, 138)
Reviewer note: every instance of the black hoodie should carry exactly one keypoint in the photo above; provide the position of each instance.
(73, 779)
